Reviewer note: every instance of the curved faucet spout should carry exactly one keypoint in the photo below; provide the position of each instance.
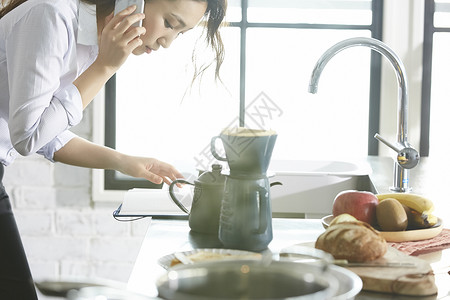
(407, 156)
(383, 49)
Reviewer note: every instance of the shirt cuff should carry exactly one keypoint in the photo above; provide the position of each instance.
(48, 151)
(70, 99)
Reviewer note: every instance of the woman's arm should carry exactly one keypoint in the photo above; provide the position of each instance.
(82, 153)
(42, 103)
(116, 42)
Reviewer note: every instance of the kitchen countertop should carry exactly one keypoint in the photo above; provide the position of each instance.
(167, 236)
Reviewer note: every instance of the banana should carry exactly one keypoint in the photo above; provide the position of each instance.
(416, 202)
(418, 220)
(421, 208)
(432, 220)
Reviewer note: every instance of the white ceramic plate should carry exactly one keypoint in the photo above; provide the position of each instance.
(402, 236)
(166, 260)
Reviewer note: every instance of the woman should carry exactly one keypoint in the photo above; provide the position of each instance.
(55, 56)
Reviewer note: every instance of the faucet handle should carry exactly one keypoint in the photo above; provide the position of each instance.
(407, 157)
(381, 139)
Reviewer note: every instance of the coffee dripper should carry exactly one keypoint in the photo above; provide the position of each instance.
(246, 213)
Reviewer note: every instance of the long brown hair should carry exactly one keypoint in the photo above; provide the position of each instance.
(215, 13)
(9, 6)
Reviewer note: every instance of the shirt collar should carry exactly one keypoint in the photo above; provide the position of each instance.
(87, 24)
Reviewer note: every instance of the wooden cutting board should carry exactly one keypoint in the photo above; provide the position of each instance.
(416, 281)
(413, 281)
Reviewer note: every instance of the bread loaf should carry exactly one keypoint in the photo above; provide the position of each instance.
(353, 241)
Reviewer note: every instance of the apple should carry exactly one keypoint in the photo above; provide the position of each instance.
(360, 204)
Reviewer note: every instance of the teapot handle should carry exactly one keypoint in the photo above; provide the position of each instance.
(213, 149)
(174, 198)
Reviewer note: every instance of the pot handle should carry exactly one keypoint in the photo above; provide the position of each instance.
(174, 198)
(301, 253)
(263, 202)
(213, 149)
(263, 206)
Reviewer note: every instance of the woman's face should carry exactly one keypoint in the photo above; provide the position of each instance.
(166, 19)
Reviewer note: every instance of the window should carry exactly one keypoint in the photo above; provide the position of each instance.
(271, 49)
(435, 91)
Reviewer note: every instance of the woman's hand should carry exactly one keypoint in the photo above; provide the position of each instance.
(148, 168)
(119, 38)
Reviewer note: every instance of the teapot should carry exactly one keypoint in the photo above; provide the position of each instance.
(208, 193)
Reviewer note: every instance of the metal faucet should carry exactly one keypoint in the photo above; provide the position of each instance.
(407, 156)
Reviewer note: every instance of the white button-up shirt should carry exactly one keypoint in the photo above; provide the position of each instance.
(44, 46)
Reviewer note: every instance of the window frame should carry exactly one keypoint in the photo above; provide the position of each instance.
(108, 180)
(427, 63)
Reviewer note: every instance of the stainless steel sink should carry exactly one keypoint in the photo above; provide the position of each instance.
(309, 187)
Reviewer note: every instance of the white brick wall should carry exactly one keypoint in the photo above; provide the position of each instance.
(63, 232)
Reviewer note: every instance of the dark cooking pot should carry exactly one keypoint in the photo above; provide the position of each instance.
(239, 279)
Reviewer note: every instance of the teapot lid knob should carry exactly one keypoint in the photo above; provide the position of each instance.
(212, 177)
(217, 167)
